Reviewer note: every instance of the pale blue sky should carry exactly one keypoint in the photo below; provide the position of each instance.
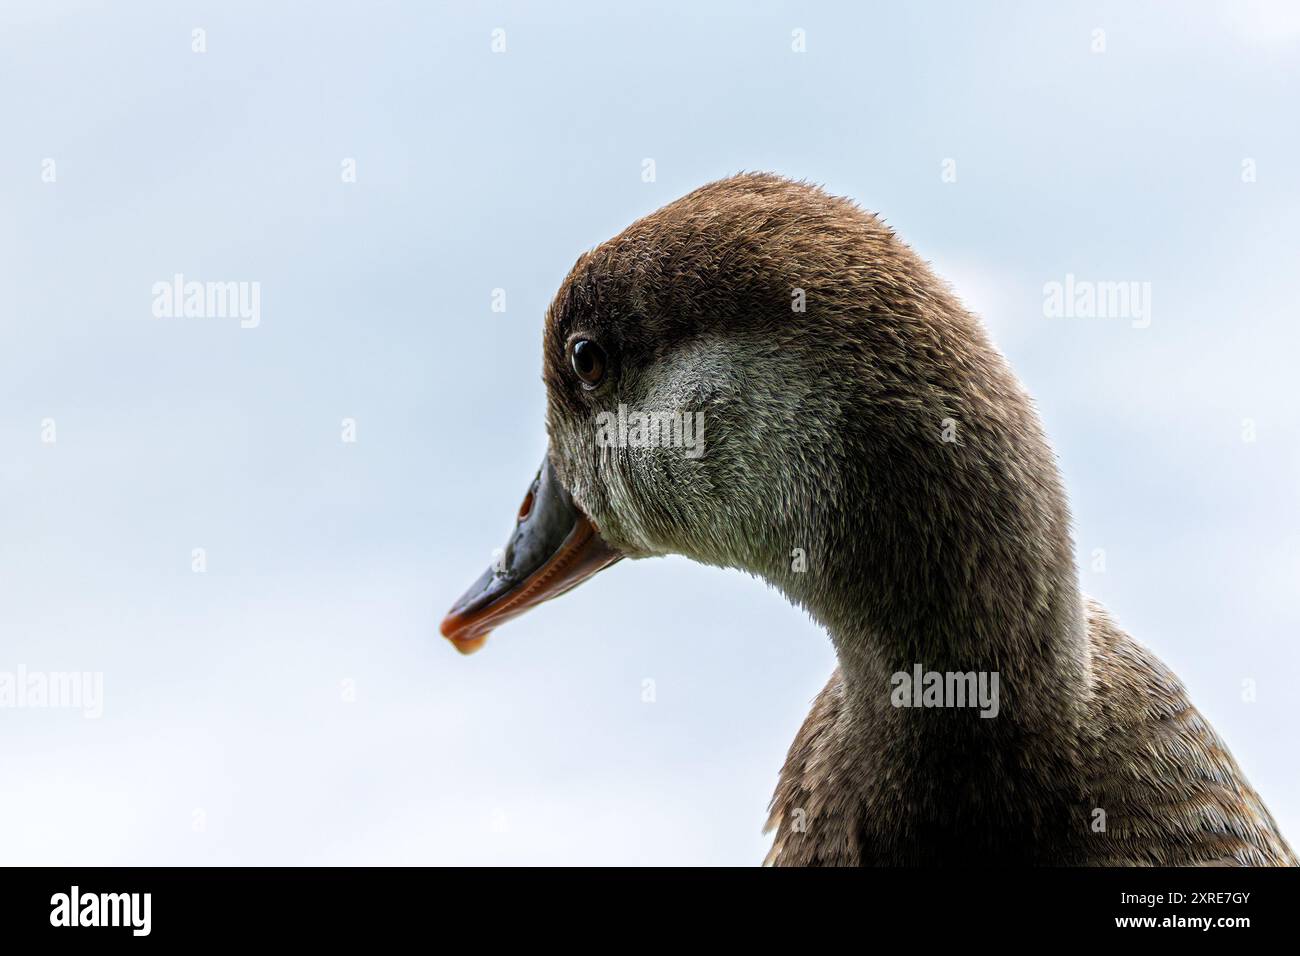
(332, 562)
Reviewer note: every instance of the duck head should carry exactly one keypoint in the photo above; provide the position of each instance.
(762, 376)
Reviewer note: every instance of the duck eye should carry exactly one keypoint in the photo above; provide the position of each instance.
(588, 360)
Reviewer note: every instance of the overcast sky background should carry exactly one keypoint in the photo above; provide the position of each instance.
(227, 736)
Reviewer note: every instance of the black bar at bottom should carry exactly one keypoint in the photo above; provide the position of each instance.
(338, 906)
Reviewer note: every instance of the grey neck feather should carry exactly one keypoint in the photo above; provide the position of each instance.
(952, 555)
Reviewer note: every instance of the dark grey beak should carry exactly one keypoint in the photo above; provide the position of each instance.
(554, 548)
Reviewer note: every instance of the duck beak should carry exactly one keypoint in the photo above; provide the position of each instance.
(554, 548)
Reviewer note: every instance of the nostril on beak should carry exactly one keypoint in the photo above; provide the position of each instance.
(527, 506)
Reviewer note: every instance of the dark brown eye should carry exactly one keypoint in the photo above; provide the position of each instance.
(588, 360)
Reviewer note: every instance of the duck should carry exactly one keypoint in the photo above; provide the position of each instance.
(867, 451)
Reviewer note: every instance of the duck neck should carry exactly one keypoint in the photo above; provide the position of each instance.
(956, 560)
(980, 607)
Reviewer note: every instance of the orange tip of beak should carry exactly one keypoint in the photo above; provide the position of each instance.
(468, 645)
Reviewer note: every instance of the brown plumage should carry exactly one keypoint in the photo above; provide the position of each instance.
(880, 435)
(1171, 792)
